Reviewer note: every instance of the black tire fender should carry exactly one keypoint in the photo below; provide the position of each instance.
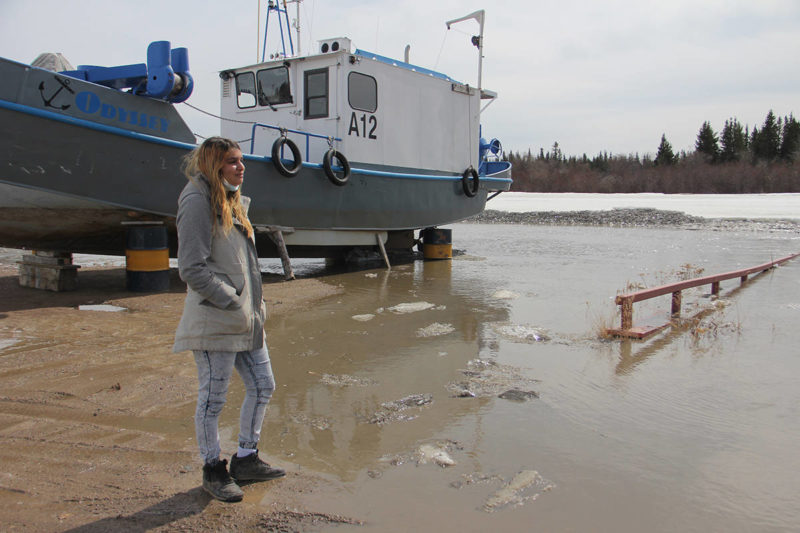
(292, 171)
(327, 162)
(472, 185)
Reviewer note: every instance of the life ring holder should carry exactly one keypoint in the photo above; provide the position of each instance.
(279, 143)
(470, 186)
(327, 166)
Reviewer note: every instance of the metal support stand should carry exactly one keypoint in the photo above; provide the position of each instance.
(383, 251)
(276, 236)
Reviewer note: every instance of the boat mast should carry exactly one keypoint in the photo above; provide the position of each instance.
(286, 33)
(477, 40)
(297, 23)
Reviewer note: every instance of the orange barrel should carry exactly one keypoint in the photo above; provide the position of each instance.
(146, 258)
(437, 243)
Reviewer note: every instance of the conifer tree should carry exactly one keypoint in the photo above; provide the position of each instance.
(734, 141)
(665, 155)
(790, 141)
(707, 143)
(556, 152)
(766, 145)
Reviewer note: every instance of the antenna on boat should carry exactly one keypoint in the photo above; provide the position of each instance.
(286, 32)
(477, 40)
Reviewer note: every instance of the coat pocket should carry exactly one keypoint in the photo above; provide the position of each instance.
(232, 279)
(231, 321)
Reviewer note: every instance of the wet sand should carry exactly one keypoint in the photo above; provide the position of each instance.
(94, 432)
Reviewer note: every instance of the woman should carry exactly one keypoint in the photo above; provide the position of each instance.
(223, 316)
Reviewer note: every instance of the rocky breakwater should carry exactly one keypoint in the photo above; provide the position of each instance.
(633, 217)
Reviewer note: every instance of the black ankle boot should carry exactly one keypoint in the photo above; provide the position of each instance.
(251, 468)
(218, 483)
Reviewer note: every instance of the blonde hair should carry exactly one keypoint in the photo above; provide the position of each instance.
(208, 160)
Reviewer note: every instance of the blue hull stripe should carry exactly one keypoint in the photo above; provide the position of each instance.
(49, 115)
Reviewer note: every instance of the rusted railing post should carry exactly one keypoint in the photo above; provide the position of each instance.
(626, 309)
(715, 288)
(676, 303)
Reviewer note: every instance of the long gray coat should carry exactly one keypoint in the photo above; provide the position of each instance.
(224, 309)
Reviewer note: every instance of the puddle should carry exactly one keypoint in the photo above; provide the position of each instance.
(462, 351)
(320, 423)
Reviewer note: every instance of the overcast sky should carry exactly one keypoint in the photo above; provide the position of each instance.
(593, 75)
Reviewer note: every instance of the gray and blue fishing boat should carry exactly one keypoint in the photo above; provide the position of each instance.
(344, 148)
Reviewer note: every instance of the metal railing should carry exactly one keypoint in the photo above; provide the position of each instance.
(284, 131)
(626, 301)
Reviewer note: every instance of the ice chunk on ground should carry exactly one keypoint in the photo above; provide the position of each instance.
(428, 453)
(394, 411)
(483, 379)
(344, 380)
(521, 333)
(504, 294)
(435, 330)
(363, 318)
(526, 486)
(5, 343)
(101, 307)
(410, 307)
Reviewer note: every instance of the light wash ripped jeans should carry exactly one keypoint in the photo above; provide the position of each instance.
(214, 371)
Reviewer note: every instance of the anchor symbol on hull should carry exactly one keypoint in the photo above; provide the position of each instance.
(48, 101)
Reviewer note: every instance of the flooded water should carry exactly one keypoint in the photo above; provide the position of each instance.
(393, 388)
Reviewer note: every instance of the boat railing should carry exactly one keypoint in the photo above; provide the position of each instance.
(284, 131)
(487, 168)
(626, 301)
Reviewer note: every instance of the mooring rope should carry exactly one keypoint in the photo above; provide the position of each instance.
(217, 116)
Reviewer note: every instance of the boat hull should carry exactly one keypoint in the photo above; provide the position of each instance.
(70, 184)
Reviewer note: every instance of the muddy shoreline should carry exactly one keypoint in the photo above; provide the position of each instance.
(94, 432)
(95, 411)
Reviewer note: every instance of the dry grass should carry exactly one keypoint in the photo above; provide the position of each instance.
(602, 322)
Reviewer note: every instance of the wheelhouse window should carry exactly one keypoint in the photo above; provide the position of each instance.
(245, 90)
(273, 86)
(362, 92)
(316, 93)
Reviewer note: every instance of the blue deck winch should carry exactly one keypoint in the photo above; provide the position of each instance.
(165, 76)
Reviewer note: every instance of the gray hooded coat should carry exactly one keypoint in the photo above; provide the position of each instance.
(224, 309)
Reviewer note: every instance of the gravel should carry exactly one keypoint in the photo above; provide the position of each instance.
(634, 217)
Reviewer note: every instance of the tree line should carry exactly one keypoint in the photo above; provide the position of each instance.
(737, 160)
